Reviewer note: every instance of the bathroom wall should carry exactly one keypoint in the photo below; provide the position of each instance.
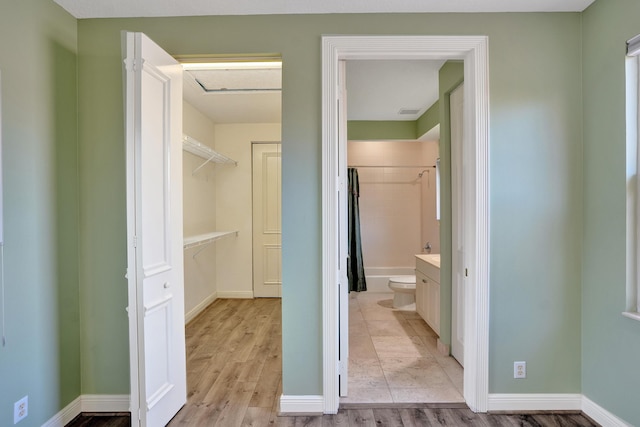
(430, 225)
(199, 214)
(234, 272)
(394, 202)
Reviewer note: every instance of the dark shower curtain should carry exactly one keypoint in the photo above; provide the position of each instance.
(355, 266)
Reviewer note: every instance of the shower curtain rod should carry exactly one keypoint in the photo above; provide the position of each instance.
(365, 166)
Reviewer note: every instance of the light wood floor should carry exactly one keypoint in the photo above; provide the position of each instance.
(234, 368)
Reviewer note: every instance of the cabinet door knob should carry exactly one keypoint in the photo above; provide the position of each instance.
(424, 281)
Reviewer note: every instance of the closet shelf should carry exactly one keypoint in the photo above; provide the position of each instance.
(204, 239)
(201, 150)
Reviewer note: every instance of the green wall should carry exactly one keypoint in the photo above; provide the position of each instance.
(450, 76)
(428, 120)
(536, 193)
(360, 130)
(38, 52)
(610, 342)
(557, 234)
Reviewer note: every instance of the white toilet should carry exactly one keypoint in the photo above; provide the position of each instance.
(404, 292)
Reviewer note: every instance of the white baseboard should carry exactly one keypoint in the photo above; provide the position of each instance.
(67, 414)
(308, 405)
(600, 415)
(105, 402)
(200, 307)
(89, 403)
(535, 402)
(235, 294)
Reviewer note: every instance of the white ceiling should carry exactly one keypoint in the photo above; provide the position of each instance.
(374, 88)
(379, 90)
(140, 8)
(233, 106)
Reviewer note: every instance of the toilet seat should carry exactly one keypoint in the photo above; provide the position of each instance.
(403, 282)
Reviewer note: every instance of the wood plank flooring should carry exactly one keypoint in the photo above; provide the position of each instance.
(234, 371)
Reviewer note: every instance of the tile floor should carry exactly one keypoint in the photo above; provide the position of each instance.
(393, 356)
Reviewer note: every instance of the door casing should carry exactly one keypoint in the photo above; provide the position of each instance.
(473, 50)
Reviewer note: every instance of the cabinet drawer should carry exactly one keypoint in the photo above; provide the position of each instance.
(428, 269)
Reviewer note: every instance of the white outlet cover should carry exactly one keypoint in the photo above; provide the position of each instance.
(519, 369)
(20, 409)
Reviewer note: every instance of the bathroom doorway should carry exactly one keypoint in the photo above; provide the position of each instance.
(472, 50)
(393, 143)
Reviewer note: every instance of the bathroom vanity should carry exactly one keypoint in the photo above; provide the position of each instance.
(428, 289)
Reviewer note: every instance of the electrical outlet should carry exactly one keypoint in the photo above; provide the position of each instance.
(519, 369)
(20, 409)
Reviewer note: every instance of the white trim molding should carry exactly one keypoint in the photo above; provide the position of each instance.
(535, 402)
(600, 415)
(66, 415)
(89, 403)
(554, 402)
(235, 294)
(473, 50)
(301, 405)
(200, 307)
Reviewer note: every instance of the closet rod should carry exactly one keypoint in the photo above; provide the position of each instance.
(413, 167)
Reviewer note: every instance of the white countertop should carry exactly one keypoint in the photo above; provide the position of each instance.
(433, 259)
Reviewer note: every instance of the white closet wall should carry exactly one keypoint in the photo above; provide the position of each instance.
(234, 275)
(199, 192)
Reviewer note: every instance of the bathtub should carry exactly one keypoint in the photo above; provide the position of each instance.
(378, 277)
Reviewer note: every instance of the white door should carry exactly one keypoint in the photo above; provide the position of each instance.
(457, 234)
(267, 240)
(154, 231)
(342, 280)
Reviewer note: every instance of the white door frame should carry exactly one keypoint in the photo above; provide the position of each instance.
(473, 50)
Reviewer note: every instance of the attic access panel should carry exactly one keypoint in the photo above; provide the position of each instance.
(238, 80)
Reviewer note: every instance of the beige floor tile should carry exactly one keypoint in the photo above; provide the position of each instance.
(358, 328)
(355, 316)
(377, 314)
(388, 347)
(453, 370)
(390, 327)
(366, 373)
(361, 347)
(394, 356)
(411, 315)
(417, 372)
(421, 328)
(431, 344)
(431, 395)
(368, 395)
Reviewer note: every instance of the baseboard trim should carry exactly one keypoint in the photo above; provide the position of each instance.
(89, 403)
(298, 405)
(600, 415)
(534, 402)
(105, 402)
(67, 414)
(200, 307)
(235, 294)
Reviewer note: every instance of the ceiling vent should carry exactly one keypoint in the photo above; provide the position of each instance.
(409, 111)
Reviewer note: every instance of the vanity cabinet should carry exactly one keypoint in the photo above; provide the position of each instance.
(428, 292)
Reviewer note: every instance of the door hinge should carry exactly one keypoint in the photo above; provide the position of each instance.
(135, 241)
(466, 272)
(340, 367)
(128, 64)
